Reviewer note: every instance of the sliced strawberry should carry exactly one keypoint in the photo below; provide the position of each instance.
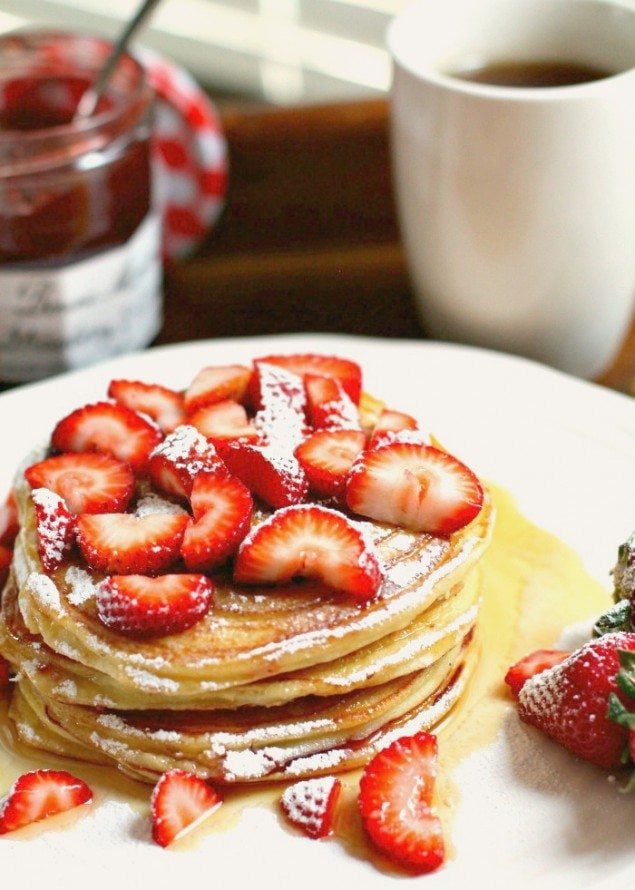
(311, 805)
(225, 422)
(390, 421)
(144, 607)
(108, 428)
(395, 801)
(40, 794)
(282, 405)
(414, 486)
(6, 555)
(163, 405)
(89, 482)
(215, 384)
(570, 701)
(123, 544)
(327, 456)
(5, 672)
(179, 801)
(222, 509)
(532, 664)
(54, 527)
(273, 474)
(309, 541)
(347, 372)
(9, 523)
(183, 454)
(329, 407)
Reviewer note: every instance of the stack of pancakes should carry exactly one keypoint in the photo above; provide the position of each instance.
(289, 682)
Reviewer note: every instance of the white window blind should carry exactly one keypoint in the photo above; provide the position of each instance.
(284, 51)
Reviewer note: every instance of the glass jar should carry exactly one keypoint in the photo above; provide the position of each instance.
(80, 270)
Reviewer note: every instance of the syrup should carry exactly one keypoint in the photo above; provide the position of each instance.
(533, 586)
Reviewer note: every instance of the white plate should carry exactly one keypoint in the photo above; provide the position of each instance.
(566, 450)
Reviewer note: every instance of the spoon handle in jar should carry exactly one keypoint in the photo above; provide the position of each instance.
(88, 102)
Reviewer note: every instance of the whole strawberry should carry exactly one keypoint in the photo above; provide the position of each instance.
(570, 701)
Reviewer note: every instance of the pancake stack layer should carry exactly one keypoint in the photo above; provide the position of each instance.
(281, 681)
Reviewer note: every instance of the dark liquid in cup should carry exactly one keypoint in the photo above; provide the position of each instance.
(532, 74)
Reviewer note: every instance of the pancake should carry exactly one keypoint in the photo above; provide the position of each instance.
(418, 645)
(275, 681)
(249, 744)
(248, 635)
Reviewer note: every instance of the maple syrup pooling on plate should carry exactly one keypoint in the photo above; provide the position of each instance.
(532, 585)
(80, 270)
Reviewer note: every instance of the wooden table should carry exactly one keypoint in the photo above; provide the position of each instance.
(309, 239)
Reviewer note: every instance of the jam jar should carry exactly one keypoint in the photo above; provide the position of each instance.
(80, 266)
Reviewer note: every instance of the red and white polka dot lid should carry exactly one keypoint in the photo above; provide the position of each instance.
(189, 156)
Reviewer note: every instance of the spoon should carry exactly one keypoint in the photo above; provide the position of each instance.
(90, 99)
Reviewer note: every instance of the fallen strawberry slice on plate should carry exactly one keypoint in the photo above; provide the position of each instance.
(89, 482)
(54, 528)
(180, 800)
(39, 794)
(326, 458)
(124, 544)
(108, 428)
(570, 701)
(309, 541)
(414, 486)
(142, 606)
(395, 802)
(163, 405)
(183, 454)
(215, 384)
(310, 805)
(532, 664)
(222, 508)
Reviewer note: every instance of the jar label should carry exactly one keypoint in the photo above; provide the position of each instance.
(57, 319)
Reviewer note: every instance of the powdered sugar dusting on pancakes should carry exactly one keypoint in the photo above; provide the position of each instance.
(153, 503)
(82, 588)
(44, 591)
(250, 764)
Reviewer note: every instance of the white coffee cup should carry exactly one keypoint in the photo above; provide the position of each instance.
(517, 204)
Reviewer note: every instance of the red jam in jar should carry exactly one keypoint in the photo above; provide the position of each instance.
(80, 272)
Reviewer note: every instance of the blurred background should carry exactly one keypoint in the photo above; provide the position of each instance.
(283, 52)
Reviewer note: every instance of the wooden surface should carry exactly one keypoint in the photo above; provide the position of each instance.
(308, 240)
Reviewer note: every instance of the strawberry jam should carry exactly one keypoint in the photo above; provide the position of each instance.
(79, 243)
(66, 209)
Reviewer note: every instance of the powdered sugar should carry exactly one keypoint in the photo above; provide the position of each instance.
(67, 689)
(321, 761)
(150, 682)
(43, 589)
(82, 589)
(250, 764)
(153, 503)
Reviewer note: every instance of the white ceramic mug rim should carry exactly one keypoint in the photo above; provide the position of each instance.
(429, 73)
